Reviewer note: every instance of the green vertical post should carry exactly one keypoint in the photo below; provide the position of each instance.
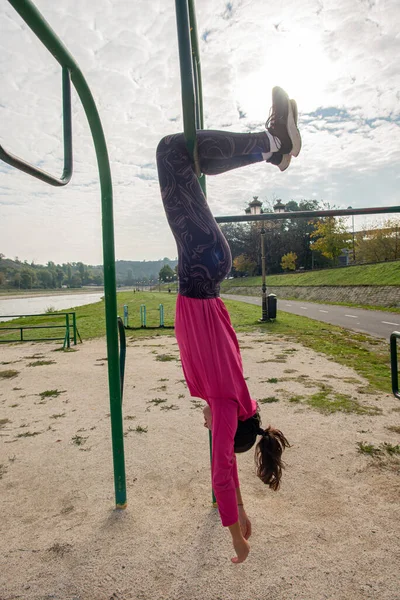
(192, 94)
(67, 333)
(197, 80)
(214, 500)
(394, 363)
(74, 326)
(42, 29)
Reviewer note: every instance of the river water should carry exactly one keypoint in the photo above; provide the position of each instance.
(40, 304)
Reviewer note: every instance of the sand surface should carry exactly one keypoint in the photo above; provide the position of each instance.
(331, 532)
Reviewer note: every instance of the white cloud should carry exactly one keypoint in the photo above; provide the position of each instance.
(338, 58)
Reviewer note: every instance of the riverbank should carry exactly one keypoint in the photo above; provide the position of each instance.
(14, 295)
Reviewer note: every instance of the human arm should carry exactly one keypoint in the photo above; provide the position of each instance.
(244, 521)
(225, 477)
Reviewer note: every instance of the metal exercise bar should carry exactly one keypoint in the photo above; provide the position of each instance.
(47, 36)
(191, 83)
(309, 214)
(394, 363)
(192, 92)
(20, 164)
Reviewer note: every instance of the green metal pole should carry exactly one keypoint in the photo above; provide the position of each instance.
(197, 79)
(214, 500)
(185, 62)
(394, 363)
(74, 325)
(42, 29)
(67, 333)
(192, 93)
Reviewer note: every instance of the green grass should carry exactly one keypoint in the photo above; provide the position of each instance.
(329, 402)
(50, 393)
(268, 400)
(57, 416)
(368, 356)
(379, 274)
(41, 363)
(371, 450)
(79, 440)
(165, 358)
(29, 434)
(157, 401)
(394, 428)
(296, 399)
(8, 374)
(140, 429)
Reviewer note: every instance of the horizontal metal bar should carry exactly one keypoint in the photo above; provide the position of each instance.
(32, 327)
(60, 314)
(309, 214)
(22, 165)
(31, 340)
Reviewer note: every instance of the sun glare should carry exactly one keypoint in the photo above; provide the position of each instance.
(299, 65)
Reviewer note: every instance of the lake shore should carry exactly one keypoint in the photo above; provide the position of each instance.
(60, 537)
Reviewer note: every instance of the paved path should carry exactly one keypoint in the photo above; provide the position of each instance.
(374, 322)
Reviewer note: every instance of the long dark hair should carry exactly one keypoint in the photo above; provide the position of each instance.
(268, 456)
(268, 452)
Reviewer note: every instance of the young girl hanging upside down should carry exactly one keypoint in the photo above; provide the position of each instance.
(208, 345)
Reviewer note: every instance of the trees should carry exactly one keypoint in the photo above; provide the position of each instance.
(330, 237)
(379, 243)
(166, 274)
(129, 278)
(26, 278)
(281, 237)
(288, 262)
(244, 264)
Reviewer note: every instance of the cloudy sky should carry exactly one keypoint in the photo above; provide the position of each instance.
(338, 58)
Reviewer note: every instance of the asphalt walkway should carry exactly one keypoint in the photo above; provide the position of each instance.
(374, 322)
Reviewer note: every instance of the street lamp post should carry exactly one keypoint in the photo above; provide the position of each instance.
(264, 313)
(354, 246)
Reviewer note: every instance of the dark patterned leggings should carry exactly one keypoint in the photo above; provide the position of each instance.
(204, 258)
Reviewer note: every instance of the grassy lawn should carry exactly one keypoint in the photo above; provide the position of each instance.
(380, 274)
(368, 356)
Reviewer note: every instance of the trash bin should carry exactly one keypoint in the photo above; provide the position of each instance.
(272, 306)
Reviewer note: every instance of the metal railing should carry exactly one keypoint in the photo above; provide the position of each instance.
(394, 363)
(71, 72)
(71, 330)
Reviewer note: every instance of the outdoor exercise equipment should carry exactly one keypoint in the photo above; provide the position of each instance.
(192, 106)
(192, 92)
(394, 363)
(71, 72)
(143, 319)
(71, 329)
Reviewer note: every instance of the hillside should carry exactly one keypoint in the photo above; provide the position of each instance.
(22, 275)
(377, 274)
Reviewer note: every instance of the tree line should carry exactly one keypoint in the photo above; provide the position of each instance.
(289, 245)
(309, 243)
(24, 275)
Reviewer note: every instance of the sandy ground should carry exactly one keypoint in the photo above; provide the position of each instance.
(331, 532)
